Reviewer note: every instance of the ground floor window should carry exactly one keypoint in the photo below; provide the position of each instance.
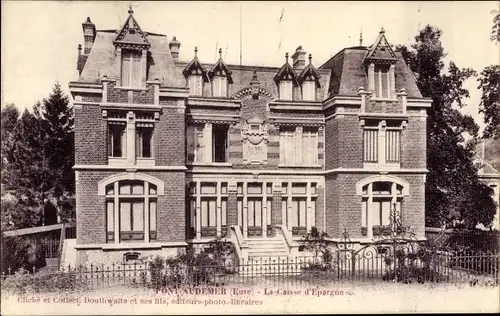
(131, 211)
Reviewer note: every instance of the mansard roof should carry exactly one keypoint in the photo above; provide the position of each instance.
(381, 51)
(195, 67)
(309, 71)
(347, 73)
(131, 35)
(286, 72)
(220, 68)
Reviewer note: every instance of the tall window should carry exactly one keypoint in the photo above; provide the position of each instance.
(299, 145)
(195, 83)
(387, 133)
(309, 90)
(131, 75)
(128, 205)
(380, 199)
(116, 140)
(219, 86)
(286, 90)
(212, 207)
(144, 140)
(381, 81)
(207, 142)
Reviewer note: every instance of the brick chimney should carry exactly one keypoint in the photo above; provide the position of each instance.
(174, 46)
(89, 33)
(299, 58)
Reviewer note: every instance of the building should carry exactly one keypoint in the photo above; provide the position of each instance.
(488, 160)
(170, 153)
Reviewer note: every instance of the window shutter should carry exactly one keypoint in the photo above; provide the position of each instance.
(126, 60)
(137, 70)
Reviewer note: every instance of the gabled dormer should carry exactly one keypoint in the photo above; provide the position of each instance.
(286, 80)
(221, 77)
(308, 79)
(132, 47)
(196, 75)
(380, 61)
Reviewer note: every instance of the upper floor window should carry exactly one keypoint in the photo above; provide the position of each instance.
(386, 133)
(116, 140)
(207, 142)
(195, 83)
(309, 90)
(219, 86)
(286, 90)
(299, 145)
(381, 79)
(131, 70)
(144, 140)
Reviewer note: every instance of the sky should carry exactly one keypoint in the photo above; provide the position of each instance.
(40, 38)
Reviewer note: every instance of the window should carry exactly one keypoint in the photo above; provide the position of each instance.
(298, 146)
(219, 143)
(144, 141)
(212, 208)
(131, 75)
(381, 81)
(382, 132)
(298, 206)
(381, 203)
(219, 86)
(127, 210)
(116, 140)
(309, 90)
(195, 83)
(286, 90)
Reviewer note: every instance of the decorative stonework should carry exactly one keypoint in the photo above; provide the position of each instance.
(254, 135)
(252, 90)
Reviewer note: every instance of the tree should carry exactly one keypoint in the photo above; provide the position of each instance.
(57, 121)
(10, 116)
(453, 190)
(489, 83)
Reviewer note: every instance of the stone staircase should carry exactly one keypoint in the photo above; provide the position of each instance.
(267, 248)
(68, 254)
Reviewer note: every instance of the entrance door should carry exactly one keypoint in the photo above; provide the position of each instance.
(254, 217)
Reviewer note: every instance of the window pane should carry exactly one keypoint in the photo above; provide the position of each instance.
(208, 188)
(192, 211)
(251, 212)
(382, 188)
(212, 213)
(204, 213)
(313, 212)
(110, 189)
(295, 212)
(224, 188)
(116, 140)
(284, 212)
(370, 145)
(386, 210)
(126, 65)
(376, 213)
(138, 216)
(125, 188)
(284, 188)
(254, 188)
(364, 204)
(392, 145)
(258, 212)
(269, 211)
(224, 212)
(219, 143)
(125, 217)
(152, 215)
(200, 144)
(144, 136)
(110, 210)
(240, 212)
(138, 188)
(152, 189)
(299, 188)
(269, 188)
(302, 212)
(137, 69)
(308, 90)
(240, 188)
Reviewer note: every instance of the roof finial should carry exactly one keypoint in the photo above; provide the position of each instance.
(130, 11)
(195, 51)
(220, 52)
(310, 57)
(361, 36)
(382, 30)
(286, 58)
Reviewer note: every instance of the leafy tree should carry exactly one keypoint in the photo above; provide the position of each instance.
(10, 116)
(453, 190)
(318, 244)
(489, 83)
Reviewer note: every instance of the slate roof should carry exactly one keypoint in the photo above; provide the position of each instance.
(348, 73)
(101, 61)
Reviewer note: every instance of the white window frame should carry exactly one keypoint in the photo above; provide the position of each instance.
(219, 86)
(195, 83)
(299, 147)
(286, 90)
(386, 135)
(309, 90)
(129, 59)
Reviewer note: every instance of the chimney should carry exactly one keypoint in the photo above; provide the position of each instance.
(299, 58)
(174, 46)
(88, 35)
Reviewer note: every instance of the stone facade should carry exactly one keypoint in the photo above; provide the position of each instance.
(170, 152)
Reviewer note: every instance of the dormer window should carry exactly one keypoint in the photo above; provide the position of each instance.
(219, 86)
(195, 83)
(286, 90)
(309, 90)
(131, 68)
(381, 79)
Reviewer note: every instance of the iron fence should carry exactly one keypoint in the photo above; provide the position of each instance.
(441, 268)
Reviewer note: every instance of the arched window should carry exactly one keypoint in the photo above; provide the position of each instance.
(131, 211)
(382, 197)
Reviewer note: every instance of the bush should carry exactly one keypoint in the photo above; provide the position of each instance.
(23, 282)
(14, 255)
